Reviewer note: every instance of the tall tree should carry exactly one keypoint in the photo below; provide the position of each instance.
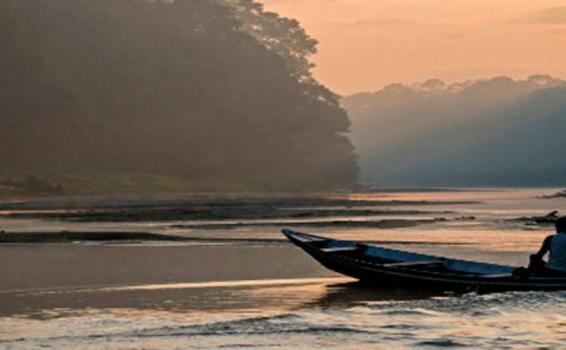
(181, 88)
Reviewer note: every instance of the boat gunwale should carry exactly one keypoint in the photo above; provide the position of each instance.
(447, 277)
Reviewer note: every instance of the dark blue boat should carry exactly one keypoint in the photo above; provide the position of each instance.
(388, 267)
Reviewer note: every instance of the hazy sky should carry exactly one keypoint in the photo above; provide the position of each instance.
(365, 44)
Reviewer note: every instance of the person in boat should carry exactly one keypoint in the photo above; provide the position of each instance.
(555, 245)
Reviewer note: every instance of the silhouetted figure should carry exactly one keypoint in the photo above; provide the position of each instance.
(555, 245)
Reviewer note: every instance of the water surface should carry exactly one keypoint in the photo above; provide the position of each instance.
(246, 287)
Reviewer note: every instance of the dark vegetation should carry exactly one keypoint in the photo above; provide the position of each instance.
(189, 95)
(496, 132)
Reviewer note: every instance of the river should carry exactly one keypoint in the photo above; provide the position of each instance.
(245, 287)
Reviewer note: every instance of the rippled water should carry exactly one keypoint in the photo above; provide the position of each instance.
(303, 307)
(508, 320)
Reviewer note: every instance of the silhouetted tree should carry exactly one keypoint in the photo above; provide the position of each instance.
(204, 89)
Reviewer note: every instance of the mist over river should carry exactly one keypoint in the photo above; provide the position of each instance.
(217, 272)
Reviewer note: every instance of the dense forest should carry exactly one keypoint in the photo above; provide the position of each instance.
(216, 94)
(494, 132)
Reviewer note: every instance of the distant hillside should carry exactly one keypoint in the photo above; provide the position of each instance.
(496, 132)
(187, 95)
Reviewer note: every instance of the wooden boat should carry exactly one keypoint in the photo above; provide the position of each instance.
(389, 267)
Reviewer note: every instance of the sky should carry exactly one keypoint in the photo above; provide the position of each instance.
(367, 44)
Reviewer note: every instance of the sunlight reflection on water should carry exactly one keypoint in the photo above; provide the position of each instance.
(515, 320)
(308, 312)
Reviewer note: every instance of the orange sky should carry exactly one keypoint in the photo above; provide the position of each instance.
(365, 44)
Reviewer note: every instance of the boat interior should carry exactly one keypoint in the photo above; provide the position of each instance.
(392, 258)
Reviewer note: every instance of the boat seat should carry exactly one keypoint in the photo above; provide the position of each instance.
(339, 249)
(414, 263)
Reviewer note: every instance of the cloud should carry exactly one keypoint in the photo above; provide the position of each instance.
(550, 15)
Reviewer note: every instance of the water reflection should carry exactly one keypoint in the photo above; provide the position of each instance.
(355, 293)
(257, 296)
(284, 314)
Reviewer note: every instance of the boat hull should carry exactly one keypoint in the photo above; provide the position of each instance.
(381, 272)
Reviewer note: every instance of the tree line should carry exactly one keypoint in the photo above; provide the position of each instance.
(213, 91)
